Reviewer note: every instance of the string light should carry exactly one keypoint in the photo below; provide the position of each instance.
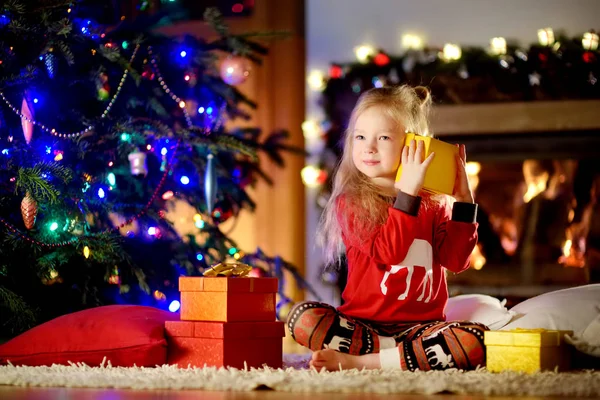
(316, 80)
(89, 128)
(546, 36)
(498, 45)
(590, 41)
(74, 239)
(311, 129)
(412, 42)
(451, 52)
(86, 252)
(112, 179)
(363, 53)
(174, 306)
(166, 89)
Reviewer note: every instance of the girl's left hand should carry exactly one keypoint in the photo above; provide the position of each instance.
(462, 189)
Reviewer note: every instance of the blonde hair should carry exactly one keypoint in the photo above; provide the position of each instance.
(408, 107)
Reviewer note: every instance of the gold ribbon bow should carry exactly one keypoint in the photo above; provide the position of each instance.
(229, 269)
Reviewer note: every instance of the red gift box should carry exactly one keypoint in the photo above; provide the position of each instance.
(223, 344)
(227, 299)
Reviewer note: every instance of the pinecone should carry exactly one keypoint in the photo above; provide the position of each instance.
(29, 210)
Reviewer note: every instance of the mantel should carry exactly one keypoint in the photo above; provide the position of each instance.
(516, 118)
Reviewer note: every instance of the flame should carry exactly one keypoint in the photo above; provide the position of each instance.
(535, 187)
(572, 256)
(567, 248)
(477, 259)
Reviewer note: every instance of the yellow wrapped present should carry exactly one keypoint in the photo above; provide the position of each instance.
(441, 174)
(526, 350)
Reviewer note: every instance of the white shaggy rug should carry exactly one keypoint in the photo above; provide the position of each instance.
(295, 378)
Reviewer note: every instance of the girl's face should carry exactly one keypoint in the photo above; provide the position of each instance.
(377, 146)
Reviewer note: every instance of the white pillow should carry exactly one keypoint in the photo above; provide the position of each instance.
(589, 340)
(575, 309)
(480, 308)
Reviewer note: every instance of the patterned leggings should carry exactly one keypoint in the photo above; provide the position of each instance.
(408, 346)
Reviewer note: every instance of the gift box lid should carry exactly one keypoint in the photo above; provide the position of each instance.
(227, 284)
(525, 338)
(225, 330)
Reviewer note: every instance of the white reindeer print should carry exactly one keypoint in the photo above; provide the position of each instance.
(420, 254)
(344, 323)
(437, 357)
(338, 343)
(436, 333)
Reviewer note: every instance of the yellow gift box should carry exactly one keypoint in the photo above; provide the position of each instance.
(441, 174)
(526, 350)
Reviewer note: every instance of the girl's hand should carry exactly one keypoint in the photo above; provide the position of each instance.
(413, 168)
(462, 189)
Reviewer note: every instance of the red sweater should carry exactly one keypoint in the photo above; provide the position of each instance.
(396, 272)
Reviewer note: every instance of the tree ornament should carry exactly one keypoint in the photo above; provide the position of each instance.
(137, 162)
(210, 183)
(29, 210)
(27, 118)
(50, 61)
(235, 70)
(114, 278)
(103, 87)
(283, 308)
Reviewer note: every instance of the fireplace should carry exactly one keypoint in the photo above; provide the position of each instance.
(535, 170)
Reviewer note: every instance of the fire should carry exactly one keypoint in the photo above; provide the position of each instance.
(534, 188)
(567, 248)
(477, 259)
(572, 256)
(535, 178)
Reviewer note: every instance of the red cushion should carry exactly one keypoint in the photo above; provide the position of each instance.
(124, 334)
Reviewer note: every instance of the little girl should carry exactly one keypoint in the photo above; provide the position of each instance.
(398, 243)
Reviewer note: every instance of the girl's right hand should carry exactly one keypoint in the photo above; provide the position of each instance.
(413, 168)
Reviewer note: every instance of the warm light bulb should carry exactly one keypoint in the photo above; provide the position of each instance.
(412, 42)
(86, 252)
(498, 45)
(363, 53)
(310, 175)
(316, 80)
(451, 52)
(590, 41)
(546, 36)
(311, 129)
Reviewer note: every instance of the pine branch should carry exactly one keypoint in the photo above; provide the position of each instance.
(22, 317)
(15, 6)
(213, 17)
(31, 180)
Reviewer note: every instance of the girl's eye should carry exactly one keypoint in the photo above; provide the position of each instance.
(384, 138)
(359, 137)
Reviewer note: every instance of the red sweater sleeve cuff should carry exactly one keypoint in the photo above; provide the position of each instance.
(407, 203)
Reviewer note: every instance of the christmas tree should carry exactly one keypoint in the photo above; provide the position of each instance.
(104, 124)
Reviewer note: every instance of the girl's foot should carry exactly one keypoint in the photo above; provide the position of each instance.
(332, 360)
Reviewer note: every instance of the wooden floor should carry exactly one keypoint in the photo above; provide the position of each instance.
(18, 393)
